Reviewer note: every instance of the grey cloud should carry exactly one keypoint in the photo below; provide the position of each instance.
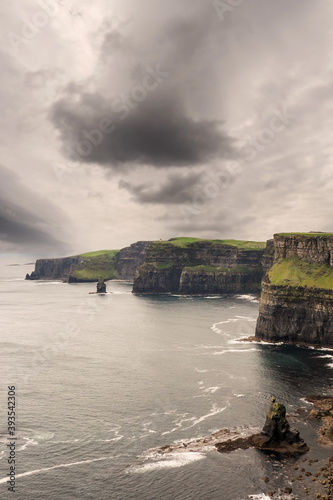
(114, 41)
(176, 190)
(164, 127)
(157, 132)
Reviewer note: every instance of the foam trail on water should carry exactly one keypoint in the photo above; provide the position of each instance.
(46, 469)
(172, 461)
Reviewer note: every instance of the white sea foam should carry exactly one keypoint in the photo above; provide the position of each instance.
(214, 411)
(327, 356)
(41, 283)
(29, 441)
(239, 395)
(46, 469)
(211, 389)
(260, 496)
(250, 298)
(171, 461)
(305, 401)
(235, 350)
(195, 420)
(201, 370)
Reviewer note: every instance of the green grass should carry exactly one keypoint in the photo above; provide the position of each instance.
(296, 272)
(184, 242)
(100, 252)
(308, 235)
(227, 270)
(95, 265)
(164, 265)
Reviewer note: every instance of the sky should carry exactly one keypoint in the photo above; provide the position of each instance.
(130, 120)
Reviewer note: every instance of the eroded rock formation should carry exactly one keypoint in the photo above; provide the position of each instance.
(276, 436)
(101, 286)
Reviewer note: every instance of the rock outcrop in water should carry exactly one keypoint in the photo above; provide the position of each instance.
(101, 286)
(276, 436)
(201, 267)
(296, 304)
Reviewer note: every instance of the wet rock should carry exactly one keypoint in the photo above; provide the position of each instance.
(277, 433)
(101, 286)
(276, 436)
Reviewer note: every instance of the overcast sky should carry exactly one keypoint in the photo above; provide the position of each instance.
(127, 120)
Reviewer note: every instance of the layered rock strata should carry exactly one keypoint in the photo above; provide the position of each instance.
(201, 267)
(296, 304)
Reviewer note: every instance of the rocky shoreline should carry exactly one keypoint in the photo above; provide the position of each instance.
(303, 476)
(258, 340)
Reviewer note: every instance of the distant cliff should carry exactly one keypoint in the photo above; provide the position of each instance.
(54, 269)
(106, 264)
(296, 303)
(130, 258)
(193, 266)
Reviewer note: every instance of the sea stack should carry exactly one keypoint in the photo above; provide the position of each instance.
(277, 434)
(101, 286)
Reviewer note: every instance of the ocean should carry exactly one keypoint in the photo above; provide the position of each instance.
(102, 380)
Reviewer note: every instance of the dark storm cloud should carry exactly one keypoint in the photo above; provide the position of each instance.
(21, 225)
(176, 190)
(155, 122)
(156, 132)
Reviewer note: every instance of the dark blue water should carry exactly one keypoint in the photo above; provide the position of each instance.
(100, 380)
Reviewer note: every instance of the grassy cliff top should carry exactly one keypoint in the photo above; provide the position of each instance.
(307, 235)
(184, 242)
(296, 272)
(100, 264)
(112, 253)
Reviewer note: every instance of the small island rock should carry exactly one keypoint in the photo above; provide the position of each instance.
(101, 286)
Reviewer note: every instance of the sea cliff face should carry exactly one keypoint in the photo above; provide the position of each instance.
(130, 258)
(54, 269)
(296, 303)
(107, 264)
(199, 267)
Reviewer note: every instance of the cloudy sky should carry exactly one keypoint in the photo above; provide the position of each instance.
(126, 120)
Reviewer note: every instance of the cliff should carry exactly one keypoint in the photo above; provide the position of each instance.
(194, 266)
(130, 258)
(54, 269)
(296, 303)
(105, 264)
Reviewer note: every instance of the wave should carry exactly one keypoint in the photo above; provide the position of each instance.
(217, 353)
(305, 401)
(263, 496)
(250, 298)
(29, 441)
(211, 389)
(213, 297)
(46, 469)
(195, 420)
(172, 461)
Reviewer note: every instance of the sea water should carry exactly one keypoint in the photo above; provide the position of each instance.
(101, 380)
